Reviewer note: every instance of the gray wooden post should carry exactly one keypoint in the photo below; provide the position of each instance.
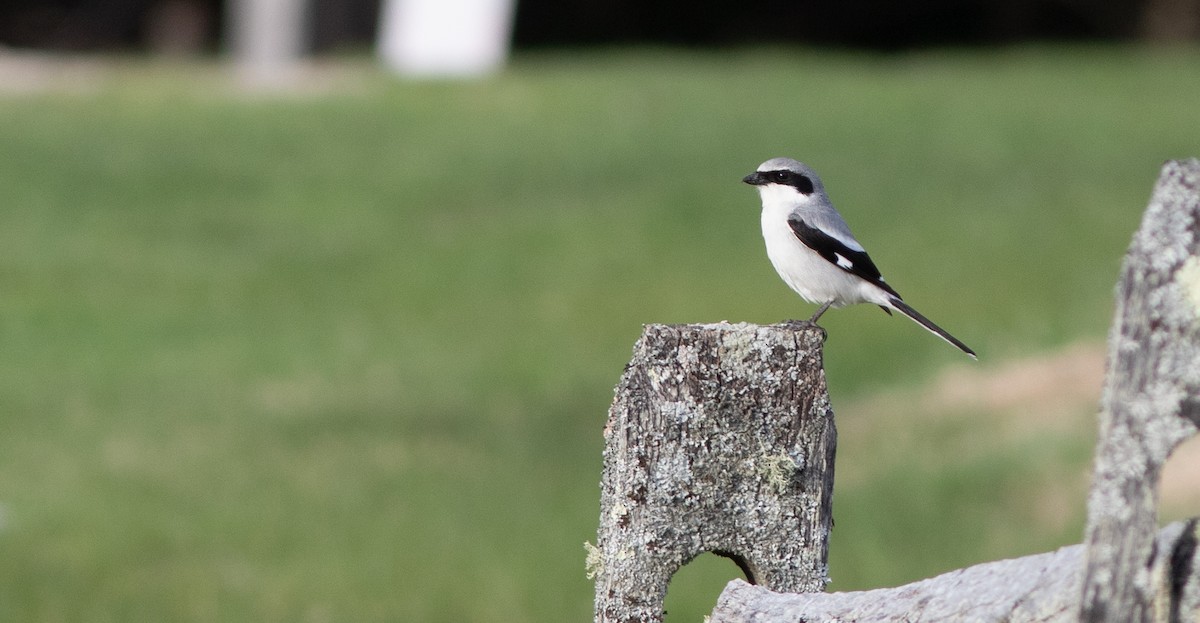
(1151, 399)
(720, 439)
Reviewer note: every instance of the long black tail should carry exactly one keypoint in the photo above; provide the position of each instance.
(903, 308)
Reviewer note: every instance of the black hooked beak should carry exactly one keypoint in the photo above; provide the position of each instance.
(755, 179)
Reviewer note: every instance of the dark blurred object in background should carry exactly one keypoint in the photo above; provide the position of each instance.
(169, 26)
(195, 26)
(871, 24)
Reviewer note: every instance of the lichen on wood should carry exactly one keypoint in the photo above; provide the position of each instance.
(720, 439)
(1150, 402)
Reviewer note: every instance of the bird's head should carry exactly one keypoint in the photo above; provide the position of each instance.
(784, 179)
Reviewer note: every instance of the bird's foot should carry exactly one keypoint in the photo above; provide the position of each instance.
(798, 324)
(801, 325)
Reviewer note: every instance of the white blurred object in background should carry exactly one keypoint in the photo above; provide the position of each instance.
(445, 37)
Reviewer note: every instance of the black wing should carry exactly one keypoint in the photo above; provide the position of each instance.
(837, 253)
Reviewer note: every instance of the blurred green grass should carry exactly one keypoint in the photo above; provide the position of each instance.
(346, 355)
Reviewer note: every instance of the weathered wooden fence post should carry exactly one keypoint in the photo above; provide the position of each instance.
(720, 439)
(1151, 402)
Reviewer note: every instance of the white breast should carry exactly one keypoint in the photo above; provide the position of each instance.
(810, 275)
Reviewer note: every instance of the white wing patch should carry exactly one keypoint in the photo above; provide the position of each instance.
(843, 262)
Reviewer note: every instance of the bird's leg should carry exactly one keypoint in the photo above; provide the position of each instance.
(821, 310)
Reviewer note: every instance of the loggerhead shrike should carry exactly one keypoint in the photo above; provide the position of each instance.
(813, 250)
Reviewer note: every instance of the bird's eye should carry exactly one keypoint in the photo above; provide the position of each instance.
(780, 176)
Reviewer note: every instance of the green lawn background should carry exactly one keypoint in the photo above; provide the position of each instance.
(345, 354)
